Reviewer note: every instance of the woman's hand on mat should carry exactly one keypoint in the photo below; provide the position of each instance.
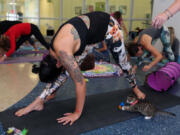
(146, 68)
(69, 118)
(2, 58)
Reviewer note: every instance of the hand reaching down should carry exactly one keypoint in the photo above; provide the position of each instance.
(69, 118)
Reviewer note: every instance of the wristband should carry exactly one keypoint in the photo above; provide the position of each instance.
(167, 10)
(168, 13)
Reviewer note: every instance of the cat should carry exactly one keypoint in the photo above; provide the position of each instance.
(143, 106)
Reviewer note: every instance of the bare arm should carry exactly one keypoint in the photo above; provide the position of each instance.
(155, 53)
(72, 67)
(146, 43)
(175, 7)
(64, 53)
(67, 60)
(104, 47)
(164, 16)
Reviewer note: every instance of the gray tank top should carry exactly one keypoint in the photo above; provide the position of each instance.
(152, 32)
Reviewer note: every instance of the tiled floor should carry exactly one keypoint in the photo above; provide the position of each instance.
(16, 81)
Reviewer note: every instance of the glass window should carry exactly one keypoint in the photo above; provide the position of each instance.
(3, 9)
(95, 5)
(142, 10)
(49, 11)
(124, 7)
(49, 15)
(142, 24)
(17, 9)
(29, 10)
(49, 27)
(71, 8)
(120, 5)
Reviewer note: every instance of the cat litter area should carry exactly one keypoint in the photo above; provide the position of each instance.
(100, 110)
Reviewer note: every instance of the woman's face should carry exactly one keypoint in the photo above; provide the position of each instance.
(53, 54)
(140, 51)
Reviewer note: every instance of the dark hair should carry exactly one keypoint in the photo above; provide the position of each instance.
(88, 62)
(48, 71)
(117, 15)
(5, 43)
(132, 48)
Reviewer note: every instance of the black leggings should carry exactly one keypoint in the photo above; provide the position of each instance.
(36, 32)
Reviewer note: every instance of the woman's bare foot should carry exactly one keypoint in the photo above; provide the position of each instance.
(139, 93)
(36, 105)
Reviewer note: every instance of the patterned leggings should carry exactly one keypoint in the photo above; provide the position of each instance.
(165, 39)
(114, 38)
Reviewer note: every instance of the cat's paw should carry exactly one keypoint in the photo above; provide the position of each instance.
(123, 108)
(147, 117)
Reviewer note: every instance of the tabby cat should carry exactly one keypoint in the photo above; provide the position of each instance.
(142, 106)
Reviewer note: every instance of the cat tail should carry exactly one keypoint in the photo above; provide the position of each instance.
(166, 113)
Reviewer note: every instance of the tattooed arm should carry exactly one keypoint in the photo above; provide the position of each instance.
(72, 67)
(66, 43)
(86, 20)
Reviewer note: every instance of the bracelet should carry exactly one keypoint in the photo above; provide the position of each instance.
(168, 13)
(167, 10)
(4, 55)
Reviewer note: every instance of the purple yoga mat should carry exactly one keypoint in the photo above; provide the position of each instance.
(31, 52)
(23, 59)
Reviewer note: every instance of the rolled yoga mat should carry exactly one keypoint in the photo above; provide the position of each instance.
(165, 77)
(100, 110)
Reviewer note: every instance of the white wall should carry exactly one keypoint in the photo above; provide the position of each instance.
(159, 6)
